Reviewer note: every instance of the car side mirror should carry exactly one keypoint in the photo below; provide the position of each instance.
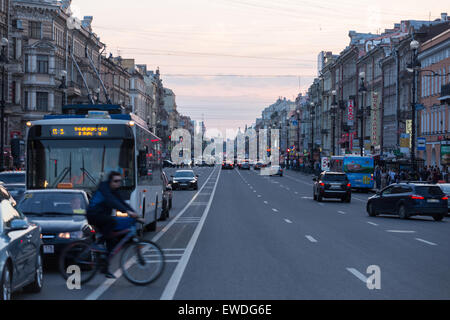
(18, 224)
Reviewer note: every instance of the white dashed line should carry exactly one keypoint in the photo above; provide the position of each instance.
(400, 231)
(274, 210)
(288, 221)
(341, 212)
(265, 202)
(374, 224)
(310, 238)
(427, 242)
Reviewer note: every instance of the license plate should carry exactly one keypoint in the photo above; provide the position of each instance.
(49, 249)
(433, 201)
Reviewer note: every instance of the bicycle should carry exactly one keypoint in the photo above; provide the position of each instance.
(137, 254)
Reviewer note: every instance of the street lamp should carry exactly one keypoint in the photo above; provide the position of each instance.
(63, 86)
(414, 45)
(363, 90)
(312, 115)
(333, 115)
(298, 136)
(4, 60)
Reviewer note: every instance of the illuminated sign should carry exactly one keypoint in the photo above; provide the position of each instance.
(79, 131)
(350, 113)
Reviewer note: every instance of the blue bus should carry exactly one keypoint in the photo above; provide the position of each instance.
(359, 170)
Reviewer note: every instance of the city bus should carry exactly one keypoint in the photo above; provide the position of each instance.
(359, 170)
(78, 152)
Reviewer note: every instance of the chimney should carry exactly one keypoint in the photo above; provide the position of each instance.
(444, 16)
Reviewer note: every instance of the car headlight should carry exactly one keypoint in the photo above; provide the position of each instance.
(71, 235)
(121, 214)
(193, 181)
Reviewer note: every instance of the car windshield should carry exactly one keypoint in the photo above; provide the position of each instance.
(8, 178)
(184, 174)
(429, 191)
(334, 178)
(60, 203)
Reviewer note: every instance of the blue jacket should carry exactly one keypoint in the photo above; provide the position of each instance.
(105, 200)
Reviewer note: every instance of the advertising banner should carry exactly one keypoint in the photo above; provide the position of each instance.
(351, 115)
(375, 115)
(445, 154)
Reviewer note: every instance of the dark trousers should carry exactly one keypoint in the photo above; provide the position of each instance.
(105, 225)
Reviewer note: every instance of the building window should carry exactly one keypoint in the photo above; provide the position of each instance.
(35, 30)
(25, 100)
(42, 101)
(42, 64)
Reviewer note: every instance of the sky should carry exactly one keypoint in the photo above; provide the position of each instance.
(226, 60)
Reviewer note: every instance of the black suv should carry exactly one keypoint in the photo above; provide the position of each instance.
(409, 199)
(332, 185)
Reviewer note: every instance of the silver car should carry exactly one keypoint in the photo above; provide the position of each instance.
(20, 258)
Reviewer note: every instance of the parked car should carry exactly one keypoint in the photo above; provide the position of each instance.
(61, 215)
(409, 199)
(20, 257)
(446, 189)
(332, 185)
(167, 197)
(184, 179)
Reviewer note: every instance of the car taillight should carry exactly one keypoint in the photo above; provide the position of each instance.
(445, 198)
(322, 184)
(349, 185)
(416, 197)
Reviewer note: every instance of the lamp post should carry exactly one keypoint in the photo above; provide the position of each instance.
(333, 115)
(4, 61)
(363, 90)
(63, 86)
(414, 45)
(312, 115)
(297, 149)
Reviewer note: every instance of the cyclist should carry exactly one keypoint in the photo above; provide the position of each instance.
(99, 212)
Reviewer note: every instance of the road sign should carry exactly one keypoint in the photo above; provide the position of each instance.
(325, 164)
(421, 144)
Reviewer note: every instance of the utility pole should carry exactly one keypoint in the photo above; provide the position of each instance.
(4, 61)
(363, 90)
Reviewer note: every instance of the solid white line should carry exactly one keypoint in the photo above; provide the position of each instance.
(172, 285)
(109, 282)
(310, 238)
(374, 224)
(357, 274)
(427, 242)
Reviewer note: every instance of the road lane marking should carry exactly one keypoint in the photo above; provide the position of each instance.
(374, 224)
(357, 274)
(265, 202)
(259, 196)
(310, 238)
(308, 184)
(288, 221)
(400, 231)
(427, 242)
(109, 282)
(172, 285)
(296, 192)
(274, 210)
(341, 212)
(320, 204)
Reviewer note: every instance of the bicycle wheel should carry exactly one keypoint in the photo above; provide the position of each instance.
(142, 262)
(79, 254)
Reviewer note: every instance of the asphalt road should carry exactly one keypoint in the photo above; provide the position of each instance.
(247, 236)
